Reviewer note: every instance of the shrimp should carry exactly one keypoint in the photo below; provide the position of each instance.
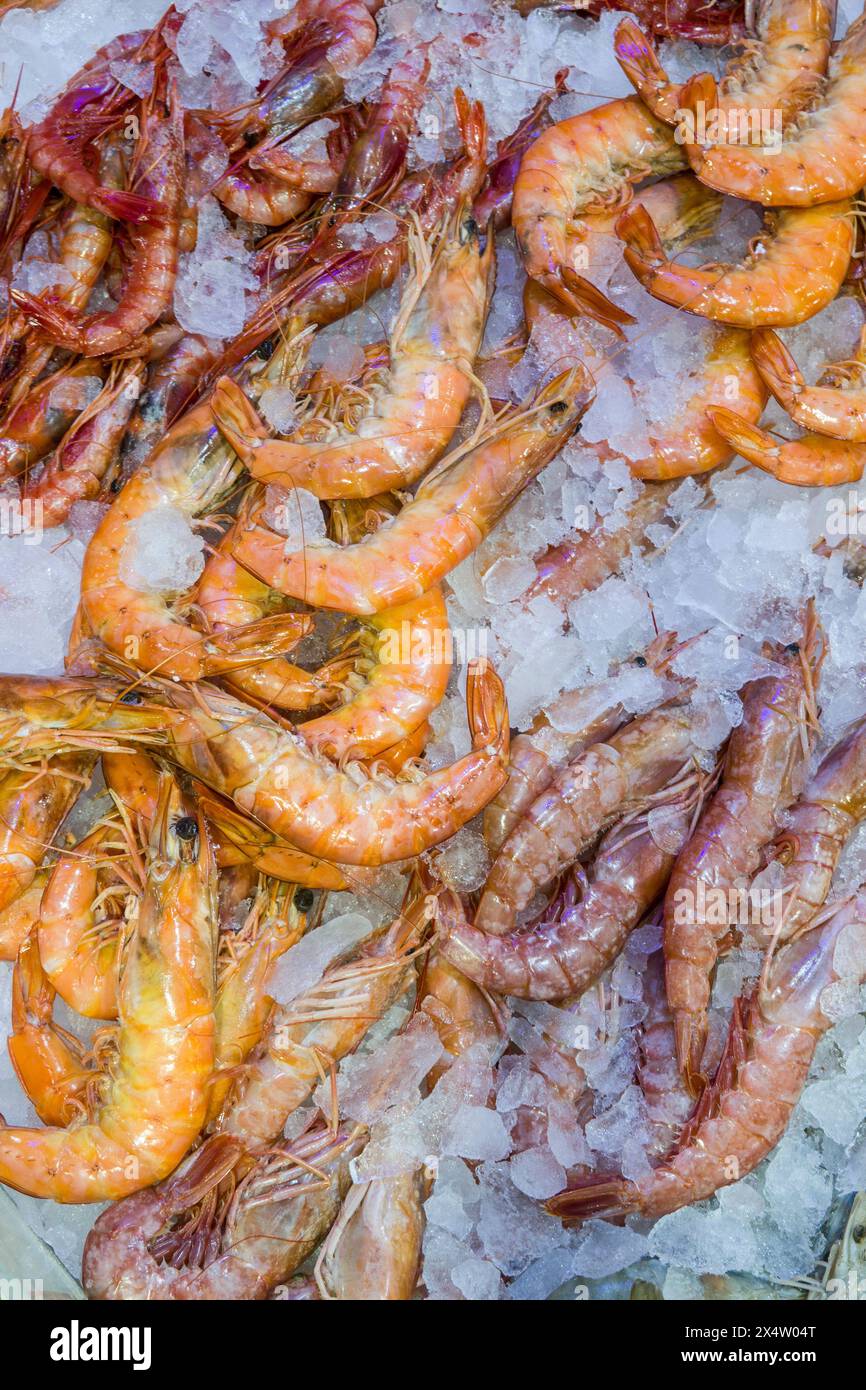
(56, 145)
(192, 471)
(413, 407)
(744, 1113)
(668, 1101)
(537, 755)
(462, 1014)
(778, 71)
(764, 770)
(793, 270)
(569, 946)
(79, 934)
(323, 1024)
(410, 647)
(47, 724)
(813, 460)
(34, 801)
(77, 470)
(603, 783)
(230, 598)
(835, 406)
(244, 966)
(40, 421)
(171, 383)
(153, 251)
(373, 1251)
(832, 805)
(239, 1245)
(820, 159)
(48, 1061)
(447, 519)
(583, 165)
(156, 1101)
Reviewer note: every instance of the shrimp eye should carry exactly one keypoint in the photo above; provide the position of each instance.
(470, 229)
(793, 649)
(304, 899)
(186, 828)
(640, 661)
(558, 407)
(858, 1234)
(265, 350)
(250, 138)
(131, 697)
(115, 485)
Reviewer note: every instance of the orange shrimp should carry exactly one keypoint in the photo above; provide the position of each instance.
(241, 842)
(34, 801)
(156, 1101)
(820, 159)
(412, 407)
(764, 770)
(835, 406)
(584, 165)
(447, 519)
(603, 783)
(777, 72)
(565, 950)
(153, 251)
(793, 269)
(813, 460)
(48, 1061)
(744, 1113)
(20, 917)
(77, 470)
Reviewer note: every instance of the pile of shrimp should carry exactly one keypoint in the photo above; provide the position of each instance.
(233, 773)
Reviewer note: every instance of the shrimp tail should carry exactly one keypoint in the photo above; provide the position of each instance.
(55, 321)
(237, 419)
(644, 252)
(472, 123)
(595, 1195)
(127, 207)
(755, 444)
(690, 1032)
(582, 297)
(487, 708)
(637, 58)
(775, 363)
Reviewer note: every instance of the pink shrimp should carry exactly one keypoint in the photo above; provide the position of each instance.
(668, 1101)
(746, 1110)
(603, 783)
(764, 770)
(153, 248)
(570, 944)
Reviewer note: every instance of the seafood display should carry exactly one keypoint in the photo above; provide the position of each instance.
(432, 714)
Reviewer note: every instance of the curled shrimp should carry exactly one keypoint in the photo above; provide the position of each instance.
(813, 460)
(236, 1243)
(744, 1113)
(603, 783)
(832, 805)
(78, 468)
(49, 1062)
(584, 165)
(777, 71)
(191, 471)
(90, 103)
(836, 406)
(153, 252)
(566, 949)
(155, 1103)
(820, 159)
(447, 519)
(412, 408)
(764, 770)
(537, 755)
(34, 801)
(793, 269)
(373, 1251)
